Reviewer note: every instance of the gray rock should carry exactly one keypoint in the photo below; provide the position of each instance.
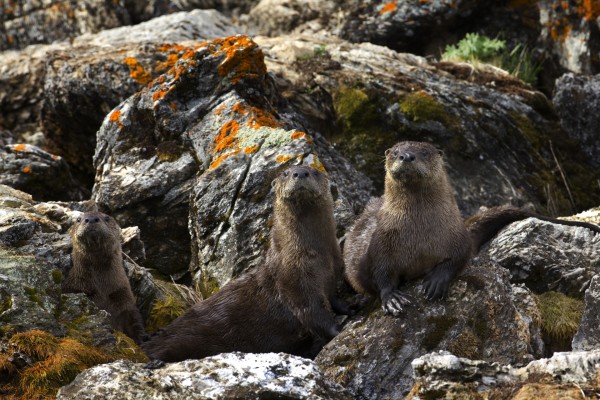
(564, 375)
(46, 21)
(547, 256)
(226, 376)
(43, 175)
(372, 355)
(576, 98)
(588, 334)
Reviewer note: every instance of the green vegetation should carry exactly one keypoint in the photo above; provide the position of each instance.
(474, 48)
(560, 316)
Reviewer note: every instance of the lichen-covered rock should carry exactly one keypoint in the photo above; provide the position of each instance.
(588, 334)
(372, 355)
(213, 124)
(45, 21)
(576, 98)
(547, 256)
(497, 134)
(572, 375)
(226, 376)
(570, 31)
(43, 175)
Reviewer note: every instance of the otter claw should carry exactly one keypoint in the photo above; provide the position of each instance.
(395, 302)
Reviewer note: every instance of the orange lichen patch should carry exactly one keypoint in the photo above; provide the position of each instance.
(243, 58)
(283, 158)
(159, 94)
(137, 72)
(20, 147)
(317, 164)
(27, 170)
(173, 105)
(301, 135)
(226, 138)
(167, 64)
(591, 9)
(115, 117)
(222, 158)
(251, 149)
(219, 109)
(55, 157)
(388, 7)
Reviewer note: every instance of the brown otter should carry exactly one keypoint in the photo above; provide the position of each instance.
(415, 230)
(98, 271)
(285, 304)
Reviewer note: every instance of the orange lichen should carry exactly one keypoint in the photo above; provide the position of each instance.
(137, 72)
(219, 109)
(240, 109)
(301, 135)
(226, 138)
(317, 164)
(20, 147)
(167, 64)
(223, 157)
(55, 157)
(591, 9)
(173, 105)
(115, 117)
(159, 95)
(283, 158)
(388, 7)
(27, 170)
(243, 58)
(251, 149)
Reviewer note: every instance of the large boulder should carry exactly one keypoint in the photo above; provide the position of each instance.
(576, 99)
(588, 333)
(225, 376)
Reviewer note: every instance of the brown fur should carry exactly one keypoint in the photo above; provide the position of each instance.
(415, 230)
(98, 271)
(283, 305)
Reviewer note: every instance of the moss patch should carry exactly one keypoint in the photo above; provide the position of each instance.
(164, 312)
(421, 106)
(438, 327)
(467, 345)
(561, 316)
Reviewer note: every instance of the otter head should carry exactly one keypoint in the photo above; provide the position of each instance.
(95, 231)
(302, 185)
(414, 162)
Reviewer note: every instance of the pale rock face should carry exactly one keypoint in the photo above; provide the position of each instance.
(226, 376)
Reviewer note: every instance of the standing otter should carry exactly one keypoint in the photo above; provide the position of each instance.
(98, 271)
(415, 230)
(285, 304)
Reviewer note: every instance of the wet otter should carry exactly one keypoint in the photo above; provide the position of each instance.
(415, 230)
(284, 305)
(98, 271)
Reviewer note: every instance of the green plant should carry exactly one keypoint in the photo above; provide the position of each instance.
(475, 48)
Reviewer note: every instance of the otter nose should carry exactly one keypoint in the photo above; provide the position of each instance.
(407, 157)
(301, 174)
(92, 220)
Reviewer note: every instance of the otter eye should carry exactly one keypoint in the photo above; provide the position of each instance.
(424, 153)
(106, 219)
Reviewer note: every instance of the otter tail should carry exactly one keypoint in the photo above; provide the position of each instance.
(484, 226)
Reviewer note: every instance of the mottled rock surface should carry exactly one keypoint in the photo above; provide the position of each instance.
(576, 99)
(226, 376)
(588, 334)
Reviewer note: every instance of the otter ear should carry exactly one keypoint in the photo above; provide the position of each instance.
(334, 191)
(387, 152)
(273, 182)
(441, 153)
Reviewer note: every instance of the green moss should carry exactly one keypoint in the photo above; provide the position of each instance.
(438, 327)
(560, 316)
(33, 295)
(479, 325)
(5, 301)
(354, 109)
(57, 276)
(169, 151)
(528, 129)
(128, 349)
(164, 312)
(466, 345)
(421, 106)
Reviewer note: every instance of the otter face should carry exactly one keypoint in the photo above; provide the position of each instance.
(413, 161)
(301, 184)
(94, 229)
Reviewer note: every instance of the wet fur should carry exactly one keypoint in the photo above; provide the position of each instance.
(98, 272)
(284, 305)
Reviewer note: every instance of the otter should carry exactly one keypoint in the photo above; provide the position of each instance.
(285, 304)
(98, 271)
(415, 230)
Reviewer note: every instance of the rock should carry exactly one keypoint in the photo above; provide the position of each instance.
(564, 375)
(225, 376)
(571, 34)
(372, 355)
(588, 334)
(499, 136)
(38, 21)
(575, 99)
(213, 124)
(547, 256)
(45, 176)
(142, 10)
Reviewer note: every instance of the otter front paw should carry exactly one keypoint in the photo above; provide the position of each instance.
(394, 302)
(436, 284)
